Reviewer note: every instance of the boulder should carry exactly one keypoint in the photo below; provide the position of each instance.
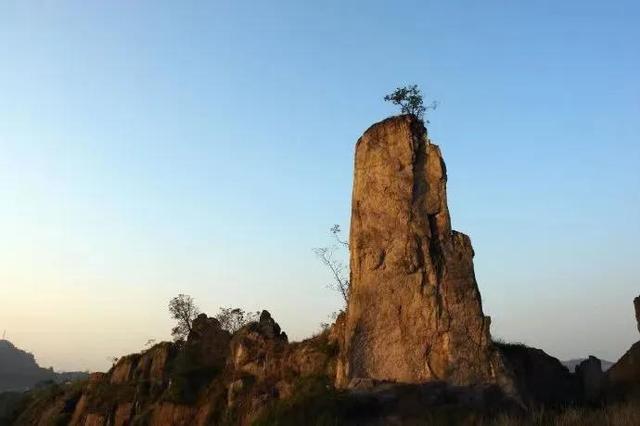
(414, 314)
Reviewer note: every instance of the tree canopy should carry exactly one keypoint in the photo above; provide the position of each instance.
(410, 100)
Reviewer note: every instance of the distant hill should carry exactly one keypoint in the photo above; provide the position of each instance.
(573, 363)
(20, 371)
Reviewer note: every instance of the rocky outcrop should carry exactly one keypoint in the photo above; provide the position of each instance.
(208, 343)
(211, 378)
(151, 365)
(256, 347)
(415, 312)
(623, 378)
(591, 378)
(541, 379)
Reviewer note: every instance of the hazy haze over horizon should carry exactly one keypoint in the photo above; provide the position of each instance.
(155, 148)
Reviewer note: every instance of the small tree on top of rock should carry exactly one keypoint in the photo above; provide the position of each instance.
(410, 100)
(233, 319)
(184, 310)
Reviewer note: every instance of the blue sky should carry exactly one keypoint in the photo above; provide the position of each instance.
(151, 148)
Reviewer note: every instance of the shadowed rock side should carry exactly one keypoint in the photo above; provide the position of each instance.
(623, 378)
(415, 312)
(542, 380)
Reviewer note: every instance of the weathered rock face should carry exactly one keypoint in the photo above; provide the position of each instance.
(415, 313)
(255, 347)
(149, 366)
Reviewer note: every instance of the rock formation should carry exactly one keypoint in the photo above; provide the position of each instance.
(636, 305)
(591, 378)
(541, 379)
(211, 378)
(413, 338)
(415, 312)
(208, 343)
(623, 378)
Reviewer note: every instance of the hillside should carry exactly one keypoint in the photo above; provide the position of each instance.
(19, 370)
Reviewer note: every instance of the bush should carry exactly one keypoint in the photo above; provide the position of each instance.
(188, 377)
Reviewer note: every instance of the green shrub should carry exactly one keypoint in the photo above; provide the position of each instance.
(188, 377)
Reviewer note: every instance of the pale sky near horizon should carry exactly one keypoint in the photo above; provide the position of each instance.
(155, 148)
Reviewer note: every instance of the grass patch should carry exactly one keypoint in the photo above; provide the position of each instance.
(623, 414)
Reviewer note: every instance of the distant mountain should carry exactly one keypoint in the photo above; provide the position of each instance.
(20, 371)
(573, 363)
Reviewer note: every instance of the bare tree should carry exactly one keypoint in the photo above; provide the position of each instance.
(335, 231)
(184, 310)
(330, 258)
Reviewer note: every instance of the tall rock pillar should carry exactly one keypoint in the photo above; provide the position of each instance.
(415, 312)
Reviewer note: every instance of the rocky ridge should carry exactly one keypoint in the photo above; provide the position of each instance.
(413, 337)
(211, 378)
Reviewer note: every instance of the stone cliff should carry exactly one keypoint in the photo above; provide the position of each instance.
(415, 311)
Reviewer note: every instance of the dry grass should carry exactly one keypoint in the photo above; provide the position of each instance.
(624, 414)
